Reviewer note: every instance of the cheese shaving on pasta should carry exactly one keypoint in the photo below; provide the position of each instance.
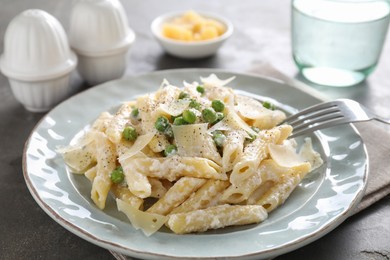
(284, 155)
(147, 222)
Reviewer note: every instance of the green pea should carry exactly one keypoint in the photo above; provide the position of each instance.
(251, 137)
(200, 89)
(254, 128)
(194, 104)
(268, 105)
(179, 121)
(189, 116)
(161, 123)
(129, 133)
(170, 150)
(183, 95)
(209, 115)
(218, 105)
(134, 112)
(220, 116)
(117, 175)
(219, 138)
(168, 131)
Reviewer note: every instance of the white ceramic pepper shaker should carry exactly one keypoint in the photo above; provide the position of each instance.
(100, 35)
(37, 60)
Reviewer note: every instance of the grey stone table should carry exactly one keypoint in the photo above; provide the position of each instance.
(262, 35)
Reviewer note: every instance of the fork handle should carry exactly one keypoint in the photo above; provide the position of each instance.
(383, 120)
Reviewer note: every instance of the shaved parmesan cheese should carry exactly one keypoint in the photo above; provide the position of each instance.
(213, 80)
(118, 123)
(138, 145)
(79, 157)
(284, 155)
(149, 223)
(166, 95)
(174, 108)
(194, 141)
(190, 85)
(102, 122)
(221, 126)
(263, 118)
(164, 83)
(249, 107)
(308, 154)
(232, 122)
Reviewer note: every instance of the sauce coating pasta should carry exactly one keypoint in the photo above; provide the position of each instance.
(194, 158)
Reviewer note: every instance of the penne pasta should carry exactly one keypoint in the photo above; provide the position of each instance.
(137, 182)
(158, 188)
(172, 168)
(281, 190)
(123, 193)
(215, 217)
(91, 173)
(106, 163)
(237, 194)
(257, 151)
(232, 149)
(118, 122)
(179, 192)
(206, 196)
(191, 158)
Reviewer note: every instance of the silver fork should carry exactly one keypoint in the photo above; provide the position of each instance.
(328, 114)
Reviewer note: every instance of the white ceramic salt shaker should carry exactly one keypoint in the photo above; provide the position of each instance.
(100, 35)
(37, 60)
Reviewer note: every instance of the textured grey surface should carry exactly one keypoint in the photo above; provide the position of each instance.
(261, 36)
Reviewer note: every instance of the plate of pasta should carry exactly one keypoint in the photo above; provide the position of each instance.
(193, 163)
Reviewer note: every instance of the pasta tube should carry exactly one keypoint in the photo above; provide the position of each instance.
(204, 197)
(91, 173)
(232, 149)
(179, 192)
(123, 193)
(118, 122)
(158, 188)
(215, 217)
(137, 182)
(278, 193)
(174, 167)
(255, 152)
(237, 194)
(106, 163)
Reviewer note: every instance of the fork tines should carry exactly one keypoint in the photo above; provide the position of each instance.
(315, 117)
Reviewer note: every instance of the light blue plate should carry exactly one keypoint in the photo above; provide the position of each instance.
(322, 201)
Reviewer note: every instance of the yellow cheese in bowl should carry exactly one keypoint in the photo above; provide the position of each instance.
(191, 26)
